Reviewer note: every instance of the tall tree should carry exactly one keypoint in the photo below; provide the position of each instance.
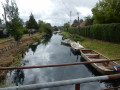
(89, 20)
(81, 20)
(107, 11)
(32, 24)
(13, 22)
(66, 25)
(75, 23)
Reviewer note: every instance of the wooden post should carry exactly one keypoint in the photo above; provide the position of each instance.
(77, 86)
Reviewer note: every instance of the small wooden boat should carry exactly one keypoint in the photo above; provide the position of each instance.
(103, 68)
(76, 47)
(66, 41)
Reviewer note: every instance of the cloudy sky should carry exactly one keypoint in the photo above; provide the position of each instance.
(56, 12)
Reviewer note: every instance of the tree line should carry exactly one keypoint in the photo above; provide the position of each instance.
(15, 25)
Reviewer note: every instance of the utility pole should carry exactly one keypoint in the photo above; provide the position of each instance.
(70, 17)
(78, 17)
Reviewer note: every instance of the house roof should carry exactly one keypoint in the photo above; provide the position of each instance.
(83, 23)
(2, 25)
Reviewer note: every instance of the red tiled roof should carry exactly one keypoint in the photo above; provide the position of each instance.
(83, 24)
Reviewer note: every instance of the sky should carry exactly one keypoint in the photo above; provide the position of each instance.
(56, 12)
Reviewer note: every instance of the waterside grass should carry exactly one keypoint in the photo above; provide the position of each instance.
(110, 50)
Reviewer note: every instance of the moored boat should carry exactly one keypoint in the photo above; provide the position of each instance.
(103, 68)
(76, 47)
(66, 41)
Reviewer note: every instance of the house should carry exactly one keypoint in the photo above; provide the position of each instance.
(83, 24)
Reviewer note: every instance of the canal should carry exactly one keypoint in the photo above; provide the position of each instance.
(53, 52)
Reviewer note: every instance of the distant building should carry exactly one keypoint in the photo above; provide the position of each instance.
(80, 25)
(83, 24)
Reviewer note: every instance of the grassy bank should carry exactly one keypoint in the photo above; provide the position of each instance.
(13, 56)
(110, 50)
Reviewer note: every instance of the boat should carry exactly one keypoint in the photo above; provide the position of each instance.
(104, 68)
(76, 47)
(66, 41)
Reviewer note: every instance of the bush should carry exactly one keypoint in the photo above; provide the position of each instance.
(1, 34)
(106, 32)
(37, 39)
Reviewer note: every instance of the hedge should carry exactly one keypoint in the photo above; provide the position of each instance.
(105, 32)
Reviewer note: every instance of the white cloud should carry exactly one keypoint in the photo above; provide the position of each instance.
(56, 12)
(84, 11)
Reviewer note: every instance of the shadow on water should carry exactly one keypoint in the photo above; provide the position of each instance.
(90, 68)
(77, 54)
(33, 47)
(18, 77)
(44, 42)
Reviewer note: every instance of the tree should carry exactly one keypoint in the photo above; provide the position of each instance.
(107, 11)
(13, 22)
(55, 28)
(40, 22)
(66, 25)
(89, 20)
(32, 24)
(0, 21)
(81, 20)
(75, 23)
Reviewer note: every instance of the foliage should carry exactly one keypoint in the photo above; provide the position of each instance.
(15, 28)
(105, 32)
(89, 20)
(0, 21)
(14, 24)
(66, 25)
(106, 11)
(81, 20)
(37, 39)
(1, 34)
(32, 24)
(45, 27)
(40, 22)
(25, 31)
(10, 10)
(75, 23)
(55, 28)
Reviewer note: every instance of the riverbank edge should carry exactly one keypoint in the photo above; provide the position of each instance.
(17, 56)
(110, 50)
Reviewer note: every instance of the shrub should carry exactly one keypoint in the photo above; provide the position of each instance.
(106, 32)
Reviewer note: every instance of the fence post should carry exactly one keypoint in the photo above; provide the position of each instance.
(77, 86)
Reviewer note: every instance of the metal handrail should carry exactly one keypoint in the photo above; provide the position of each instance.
(64, 83)
(56, 65)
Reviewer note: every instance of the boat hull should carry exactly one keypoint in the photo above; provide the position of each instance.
(99, 69)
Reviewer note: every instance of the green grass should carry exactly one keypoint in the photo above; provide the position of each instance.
(37, 39)
(110, 50)
(5, 39)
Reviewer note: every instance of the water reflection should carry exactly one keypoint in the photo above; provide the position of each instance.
(77, 54)
(34, 47)
(49, 52)
(46, 41)
(18, 77)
